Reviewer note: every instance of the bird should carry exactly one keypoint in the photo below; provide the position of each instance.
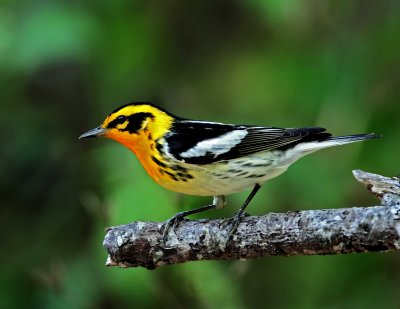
(205, 158)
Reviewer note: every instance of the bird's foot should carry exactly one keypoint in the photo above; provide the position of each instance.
(237, 218)
(171, 223)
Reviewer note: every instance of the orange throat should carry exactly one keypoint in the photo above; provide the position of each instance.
(142, 150)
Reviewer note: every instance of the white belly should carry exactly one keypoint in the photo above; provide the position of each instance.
(224, 177)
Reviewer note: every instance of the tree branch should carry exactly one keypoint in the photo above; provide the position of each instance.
(328, 231)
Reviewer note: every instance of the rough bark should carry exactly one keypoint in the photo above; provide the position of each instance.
(328, 231)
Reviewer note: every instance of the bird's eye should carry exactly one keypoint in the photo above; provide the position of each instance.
(120, 119)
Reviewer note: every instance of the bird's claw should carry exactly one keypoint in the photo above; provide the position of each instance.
(170, 223)
(237, 218)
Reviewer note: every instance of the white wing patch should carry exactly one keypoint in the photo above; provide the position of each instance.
(215, 146)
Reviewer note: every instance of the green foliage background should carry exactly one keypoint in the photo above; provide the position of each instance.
(67, 64)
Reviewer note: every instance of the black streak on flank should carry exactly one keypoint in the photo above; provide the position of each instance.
(255, 176)
(178, 168)
(171, 175)
(184, 176)
(256, 164)
(158, 162)
(234, 171)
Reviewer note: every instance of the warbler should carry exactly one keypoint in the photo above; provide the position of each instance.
(206, 158)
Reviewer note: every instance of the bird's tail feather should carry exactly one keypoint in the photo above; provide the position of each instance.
(336, 141)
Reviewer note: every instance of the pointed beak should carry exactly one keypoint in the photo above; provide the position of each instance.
(93, 133)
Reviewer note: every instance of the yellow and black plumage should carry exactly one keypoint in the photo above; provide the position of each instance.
(210, 158)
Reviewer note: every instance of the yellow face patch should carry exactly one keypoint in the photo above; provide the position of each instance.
(122, 126)
(137, 126)
(135, 118)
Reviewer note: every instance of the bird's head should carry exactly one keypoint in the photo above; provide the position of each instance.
(134, 125)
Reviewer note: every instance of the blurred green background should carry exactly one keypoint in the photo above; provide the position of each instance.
(66, 64)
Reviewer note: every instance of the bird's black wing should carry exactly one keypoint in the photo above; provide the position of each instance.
(200, 142)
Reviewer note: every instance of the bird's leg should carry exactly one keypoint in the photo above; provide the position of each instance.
(219, 201)
(172, 222)
(239, 215)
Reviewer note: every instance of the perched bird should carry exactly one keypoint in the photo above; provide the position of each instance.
(210, 158)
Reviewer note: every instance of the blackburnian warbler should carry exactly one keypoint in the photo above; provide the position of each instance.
(210, 158)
